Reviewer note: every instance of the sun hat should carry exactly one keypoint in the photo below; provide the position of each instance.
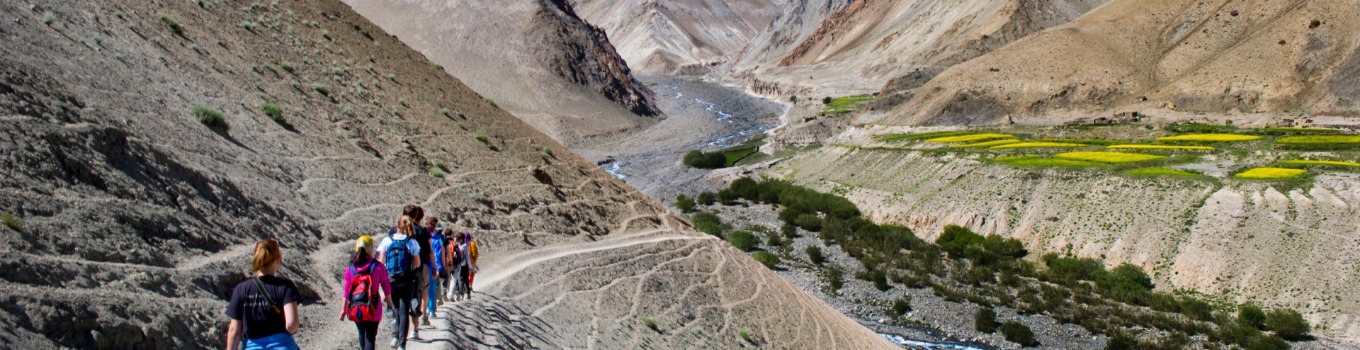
(365, 242)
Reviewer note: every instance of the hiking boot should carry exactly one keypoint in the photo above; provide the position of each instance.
(394, 343)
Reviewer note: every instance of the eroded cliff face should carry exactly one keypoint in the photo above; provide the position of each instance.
(680, 37)
(536, 58)
(1267, 57)
(1293, 247)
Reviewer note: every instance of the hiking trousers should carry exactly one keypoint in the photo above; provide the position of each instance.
(406, 297)
(368, 334)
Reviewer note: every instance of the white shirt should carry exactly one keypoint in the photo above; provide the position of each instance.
(411, 245)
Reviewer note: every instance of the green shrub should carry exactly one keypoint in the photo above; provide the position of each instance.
(435, 171)
(814, 254)
(545, 153)
(984, 320)
(901, 306)
(836, 278)
(11, 221)
(211, 117)
(1288, 324)
(743, 240)
(1268, 342)
(766, 258)
(707, 198)
(274, 112)
(684, 203)
(1071, 269)
(1122, 341)
(809, 222)
(173, 24)
(322, 89)
(287, 66)
(709, 223)
(1251, 315)
(826, 100)
(49, 17)
(488, 101)
(746, 335)
(1018, 333)
(701, 160)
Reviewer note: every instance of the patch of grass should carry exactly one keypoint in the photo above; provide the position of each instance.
(11, 221)
(970, 138)
(435, 171)
(1319, 139)
(545, 153)
(921, 136)
(481, 136)
(745, 335)
(1085, 141)
(1160, 172)
(1167, 147)
(287, 66)
(1320, 162)
(172, 23)
(274, 112)
(650, 323)
(1209, 138)
(844, 105)
(491, 102)
(322, 89)
(746, 241)
(1051, 162)
(211, 117)
(1279, 130)
(987, 144)
(48, 18)
(1267, 173)
(1038, 145)
(1109, 157)
(766, 258)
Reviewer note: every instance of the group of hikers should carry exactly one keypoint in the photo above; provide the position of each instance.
(415, 268)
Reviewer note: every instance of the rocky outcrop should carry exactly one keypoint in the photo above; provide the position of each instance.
(582, 54)
(680, 37)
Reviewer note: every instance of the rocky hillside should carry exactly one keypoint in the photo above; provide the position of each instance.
(144, 156)
(858, 48)
(680, 37)
(536, 58)
(1273, 57)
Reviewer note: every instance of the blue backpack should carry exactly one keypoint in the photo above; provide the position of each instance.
(398, 259)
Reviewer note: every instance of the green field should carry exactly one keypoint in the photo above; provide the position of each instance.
(1165, 147)
(1052, 162)
(845, 105)
(1161, 172)
(969, 138)
(1209, 138)
(1109, 157)
(922, 136)
(1038, 145)
(1319, 139)
(1321, 162)
(987, 144)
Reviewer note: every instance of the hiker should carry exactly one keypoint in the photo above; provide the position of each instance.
(264, 308)
(364, 277)
(472, 261)
(423, 237)
(399, 253)
(436, 263)
(447, 282)
(459, 263)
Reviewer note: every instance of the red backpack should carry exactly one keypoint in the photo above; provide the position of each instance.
(362, 302)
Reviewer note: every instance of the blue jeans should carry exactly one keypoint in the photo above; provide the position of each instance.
(432, 293)
(281, 341)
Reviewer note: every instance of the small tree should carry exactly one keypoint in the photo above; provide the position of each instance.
(984, 320)
(1019, 333)
(814, 254)
(707, 198)
(901, 306)
(1288, 324)
(743, 240)
(836, 278)
(684, 203)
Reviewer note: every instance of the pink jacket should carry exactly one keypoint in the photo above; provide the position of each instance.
(379, 277)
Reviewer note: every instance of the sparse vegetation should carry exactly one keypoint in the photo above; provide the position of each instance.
(48, 18)
(211, 117)
(684, 203)
(172, 23)
(1051, 162)
(545, 153)
(1268, 173)
(274, 112)
(287, 66)
(482, 137)
(491, 103)
(901, 306)
(322, 89)
(746, 336)
(11, 221)
(1288, 324)
(435, 171)
(814, 254)
(1160, 172)
(650, 323)
(987, 144)
(766, 258)
(922, 136)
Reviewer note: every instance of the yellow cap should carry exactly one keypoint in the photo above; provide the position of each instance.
(365, 242)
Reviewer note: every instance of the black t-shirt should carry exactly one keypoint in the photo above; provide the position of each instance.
(422, 236)
(254, 311)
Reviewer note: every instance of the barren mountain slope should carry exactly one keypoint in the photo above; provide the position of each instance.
(1211, 56)
(685, 37)
(534, 57)
(858, 48)
(133, 219)
(1293, 247)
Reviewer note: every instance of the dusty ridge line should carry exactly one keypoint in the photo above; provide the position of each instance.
(524, 260)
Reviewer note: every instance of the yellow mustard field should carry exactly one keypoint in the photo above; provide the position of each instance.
(1210, 137)
(1109, 157)
(1270, 173)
